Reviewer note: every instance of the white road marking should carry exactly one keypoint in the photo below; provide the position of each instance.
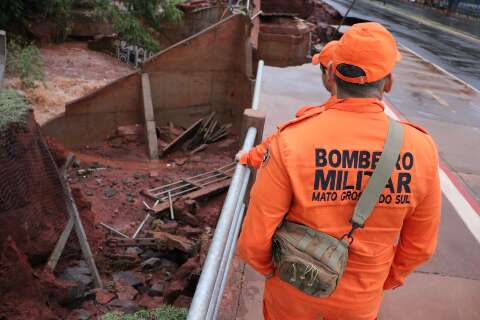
(462, 207)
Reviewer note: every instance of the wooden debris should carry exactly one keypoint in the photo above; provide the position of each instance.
(181, 138)
(159, 239)
(198, 149)
(210, 190)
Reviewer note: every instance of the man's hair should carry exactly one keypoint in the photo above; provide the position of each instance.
(354, 89)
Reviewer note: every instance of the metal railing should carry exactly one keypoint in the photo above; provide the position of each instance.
(211, 285)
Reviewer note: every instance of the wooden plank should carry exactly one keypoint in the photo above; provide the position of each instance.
(181, 138)
(60, 245)
(214, 188)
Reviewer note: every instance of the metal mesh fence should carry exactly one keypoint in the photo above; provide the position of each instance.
(32, 201)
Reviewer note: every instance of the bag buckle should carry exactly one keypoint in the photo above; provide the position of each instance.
(349, 235)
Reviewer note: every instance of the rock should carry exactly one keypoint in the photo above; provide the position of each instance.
(151, 263)
(134, 251)
(188, 218)
(191, 205)
(149, 253)
(103, 296)
(127, 278)
(188, 231)
(137, 175)
(149, 302)
(173, 290)
(89, 193)
(79, 274)
(125, 306)
(125, 292)
(169, 264)
(190, 267)
(130, 199)
(110, 193)
(157, 289)
(169, 227)
(183, 301)
(80, 314)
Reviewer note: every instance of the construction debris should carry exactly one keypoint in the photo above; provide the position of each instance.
(193, 188)
(202, 132)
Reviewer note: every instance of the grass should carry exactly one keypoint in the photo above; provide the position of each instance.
(25, 61)
(13, 108)
(165, 312)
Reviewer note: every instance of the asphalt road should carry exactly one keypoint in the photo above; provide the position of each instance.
(455, 53)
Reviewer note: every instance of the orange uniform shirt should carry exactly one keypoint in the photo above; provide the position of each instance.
(254, 157)
(314, 173)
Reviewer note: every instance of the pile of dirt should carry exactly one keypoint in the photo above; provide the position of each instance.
(108, 186)
(71, 71)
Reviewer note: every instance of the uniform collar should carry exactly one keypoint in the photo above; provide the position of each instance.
(369, 105)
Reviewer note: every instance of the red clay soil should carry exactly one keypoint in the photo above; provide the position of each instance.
(32, 215)
(71, 71)
(112, 195)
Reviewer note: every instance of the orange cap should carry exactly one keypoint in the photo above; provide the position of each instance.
(370, 47)
(326, 54)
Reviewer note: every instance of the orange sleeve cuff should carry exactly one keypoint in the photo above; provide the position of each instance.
(392, 283)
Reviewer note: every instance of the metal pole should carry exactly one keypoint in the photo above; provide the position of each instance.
(258, 86)
(217, 292)
(228, 253)
(203, 293)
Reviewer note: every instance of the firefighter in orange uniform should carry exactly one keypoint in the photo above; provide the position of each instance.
(314, 172)
(253, 157)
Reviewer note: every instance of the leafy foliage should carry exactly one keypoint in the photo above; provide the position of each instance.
(16, 13)
(25, 61)
(135, 20)
(165, 312)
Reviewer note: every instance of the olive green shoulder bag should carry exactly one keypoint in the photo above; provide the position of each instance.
(313, 261)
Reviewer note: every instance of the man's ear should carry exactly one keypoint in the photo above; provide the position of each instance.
(330, 71)
(388, 83)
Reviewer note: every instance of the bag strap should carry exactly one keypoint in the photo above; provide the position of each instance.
(379, 178)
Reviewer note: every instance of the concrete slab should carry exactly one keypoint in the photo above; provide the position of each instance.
(427, 296)
(250, 304)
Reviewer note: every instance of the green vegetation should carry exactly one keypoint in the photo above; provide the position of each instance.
(15, 14)
(138, 19)
(165, 312)
(25, 61)
(134, 20)
(13, 108)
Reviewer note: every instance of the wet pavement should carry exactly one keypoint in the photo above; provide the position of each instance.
(452, 51)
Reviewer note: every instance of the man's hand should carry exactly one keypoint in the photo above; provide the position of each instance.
(240, 154)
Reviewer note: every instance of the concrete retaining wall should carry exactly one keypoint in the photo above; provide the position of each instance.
(210, 71)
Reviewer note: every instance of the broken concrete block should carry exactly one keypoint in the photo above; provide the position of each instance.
(79, 274)
(103, 296)
(157, 289)
(127, 278)
(125, 306)
(151, 263)
(126, 292)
